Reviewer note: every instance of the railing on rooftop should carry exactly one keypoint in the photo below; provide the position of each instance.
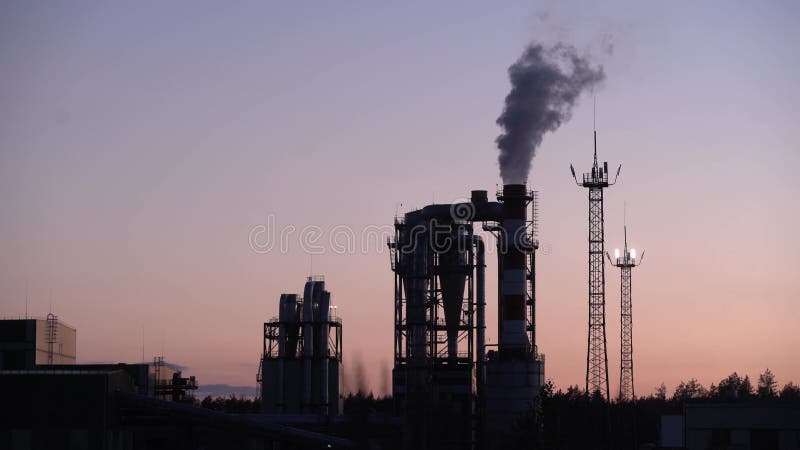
(35, 318)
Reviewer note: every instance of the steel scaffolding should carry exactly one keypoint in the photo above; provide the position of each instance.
(626, 338)
(626, 262)
(596, 354)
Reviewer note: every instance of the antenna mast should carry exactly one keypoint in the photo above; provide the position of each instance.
(596, 180)
(626, 262)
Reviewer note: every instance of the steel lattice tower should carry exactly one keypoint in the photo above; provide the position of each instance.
(596, 355)
(626, 262)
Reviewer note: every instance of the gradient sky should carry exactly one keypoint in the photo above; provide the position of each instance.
(140, 144)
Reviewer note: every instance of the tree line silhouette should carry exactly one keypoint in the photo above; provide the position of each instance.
(575, 419)
(564, 419)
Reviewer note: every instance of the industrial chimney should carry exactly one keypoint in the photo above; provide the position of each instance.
(514, 246)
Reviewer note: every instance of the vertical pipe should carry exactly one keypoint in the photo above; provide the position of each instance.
(279, 395)
(323, 348)
(292, 325)
(499, 286)
(308, 341)
(481, 309)
(339, 358)
(283, 317)
(480, 351)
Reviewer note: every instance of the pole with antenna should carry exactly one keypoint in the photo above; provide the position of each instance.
(626, 262)
(596, 180)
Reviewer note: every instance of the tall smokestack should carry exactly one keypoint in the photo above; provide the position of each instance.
(514, 342)
(545, 84)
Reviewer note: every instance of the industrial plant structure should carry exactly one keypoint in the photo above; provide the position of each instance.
(28, 342)
(301, 363)
(626, 262)
(451, 392)
(596, 355)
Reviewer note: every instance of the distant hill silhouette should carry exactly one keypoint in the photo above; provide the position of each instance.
(225, 390)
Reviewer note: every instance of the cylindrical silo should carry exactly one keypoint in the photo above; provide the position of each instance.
(308, 341)
(322, 318)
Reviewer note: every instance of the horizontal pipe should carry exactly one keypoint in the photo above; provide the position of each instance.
(490, 211)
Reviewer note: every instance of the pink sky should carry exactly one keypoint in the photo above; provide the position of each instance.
(139, 146)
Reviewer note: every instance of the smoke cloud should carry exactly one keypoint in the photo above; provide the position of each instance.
(359, 380)
(545, 84)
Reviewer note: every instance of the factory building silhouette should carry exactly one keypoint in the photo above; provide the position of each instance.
(26, 342)
(450, 388)
(443, 371)
(49, 401)
(301, 363)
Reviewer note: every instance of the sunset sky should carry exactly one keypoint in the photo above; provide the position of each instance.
(141, 144)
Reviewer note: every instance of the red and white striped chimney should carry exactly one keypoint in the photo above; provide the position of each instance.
(514, 342)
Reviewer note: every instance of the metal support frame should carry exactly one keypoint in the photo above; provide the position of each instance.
(436, 351)
(170, 385)
(626, 391)
(416, 282)
(596, 354)
(271, 338)
(626, 262)
(436, 324)
(271, 343)
(436, 336)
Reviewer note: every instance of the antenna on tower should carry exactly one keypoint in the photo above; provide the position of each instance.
(594, 126)
(596, 180)
(625, 224)
(626, 263)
